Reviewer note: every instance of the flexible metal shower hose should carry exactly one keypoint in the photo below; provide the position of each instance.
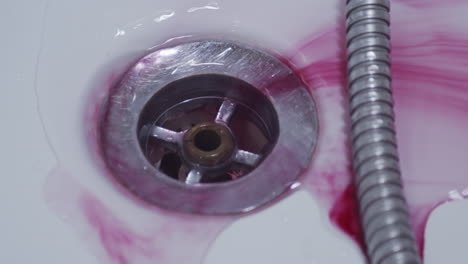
(383, 209)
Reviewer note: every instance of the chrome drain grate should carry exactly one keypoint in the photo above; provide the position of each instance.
(209, 127)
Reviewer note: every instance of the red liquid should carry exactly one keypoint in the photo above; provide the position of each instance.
(430, 74)
(430, 78)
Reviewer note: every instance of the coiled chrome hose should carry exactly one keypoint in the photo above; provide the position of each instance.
(383, 209)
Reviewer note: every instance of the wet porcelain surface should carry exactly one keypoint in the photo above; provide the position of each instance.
(60, 207)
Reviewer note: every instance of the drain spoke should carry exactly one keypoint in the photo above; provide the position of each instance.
(194, 176)
(167, 135)
(225, 112)
(247, 158)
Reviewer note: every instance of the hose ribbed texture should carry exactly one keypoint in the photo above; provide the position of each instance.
(383, 210)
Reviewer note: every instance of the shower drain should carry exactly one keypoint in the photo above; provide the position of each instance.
(208, 127)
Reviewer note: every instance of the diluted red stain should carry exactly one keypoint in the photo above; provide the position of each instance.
(429, 4)
(429, 62)
(117, 238)
(127, 233)
(344, 214)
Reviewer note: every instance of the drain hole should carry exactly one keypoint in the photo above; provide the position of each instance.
(170, 165)
(214, 116)
(207, 140)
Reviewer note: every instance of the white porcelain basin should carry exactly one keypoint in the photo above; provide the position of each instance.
(59, 58)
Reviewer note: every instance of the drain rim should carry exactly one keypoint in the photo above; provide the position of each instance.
(280, 169)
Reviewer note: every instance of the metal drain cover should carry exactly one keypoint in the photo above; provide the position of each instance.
(208, 127)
